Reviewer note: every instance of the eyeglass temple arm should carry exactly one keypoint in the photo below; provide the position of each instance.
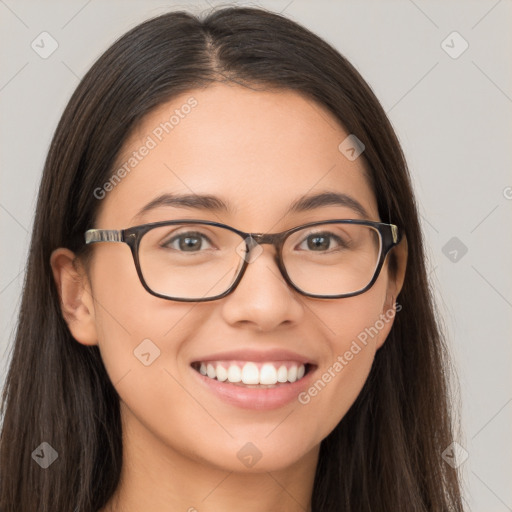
(103, 235)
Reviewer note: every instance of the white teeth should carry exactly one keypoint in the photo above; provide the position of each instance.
(268, 374)
(222, 373)
(210, 371)
(250, 374)
(282, 374)
(234, 373)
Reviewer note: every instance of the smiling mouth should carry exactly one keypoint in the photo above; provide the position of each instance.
(253, 374)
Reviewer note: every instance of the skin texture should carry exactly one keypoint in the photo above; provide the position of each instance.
(260, 151)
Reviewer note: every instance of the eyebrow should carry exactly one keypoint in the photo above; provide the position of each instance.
(215, 204)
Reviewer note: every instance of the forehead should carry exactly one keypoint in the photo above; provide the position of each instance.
(257, 150)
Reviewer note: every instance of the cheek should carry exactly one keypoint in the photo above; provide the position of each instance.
(132, 324)
(352, 335)
(141, 338)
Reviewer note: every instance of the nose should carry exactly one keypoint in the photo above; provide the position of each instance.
(263, 299)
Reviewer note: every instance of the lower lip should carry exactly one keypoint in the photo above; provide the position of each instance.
(256, 398)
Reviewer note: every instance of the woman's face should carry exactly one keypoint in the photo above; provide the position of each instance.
(259, 152)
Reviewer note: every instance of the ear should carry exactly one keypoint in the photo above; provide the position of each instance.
(76, 300)
(395, 283)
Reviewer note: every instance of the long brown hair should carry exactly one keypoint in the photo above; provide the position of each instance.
(385, 454)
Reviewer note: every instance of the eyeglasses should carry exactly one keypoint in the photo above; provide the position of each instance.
(197, 260)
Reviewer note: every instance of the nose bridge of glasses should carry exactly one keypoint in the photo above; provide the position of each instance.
(264, 238)
(255, 239)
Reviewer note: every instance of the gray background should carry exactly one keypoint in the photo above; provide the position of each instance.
(453, 118)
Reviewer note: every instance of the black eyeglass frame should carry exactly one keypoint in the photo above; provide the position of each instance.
(390, 236)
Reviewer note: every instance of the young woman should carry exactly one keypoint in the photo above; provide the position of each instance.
(217, 314)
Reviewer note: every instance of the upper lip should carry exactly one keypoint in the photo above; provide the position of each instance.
(256, 356)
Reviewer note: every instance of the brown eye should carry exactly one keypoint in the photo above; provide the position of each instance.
(323, 241)
(191, 241)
